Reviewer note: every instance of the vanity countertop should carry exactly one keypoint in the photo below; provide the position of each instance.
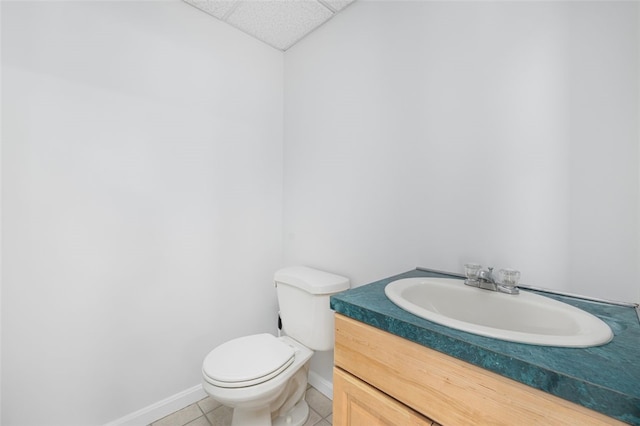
(604, 378)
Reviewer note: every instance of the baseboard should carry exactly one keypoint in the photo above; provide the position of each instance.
(323, 385)
(162, 408)
(187, 397)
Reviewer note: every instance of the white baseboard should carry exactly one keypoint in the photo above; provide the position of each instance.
(162, 408)
(323, 385)
(187, 397)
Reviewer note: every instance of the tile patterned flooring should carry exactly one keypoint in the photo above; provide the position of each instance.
(208, 412)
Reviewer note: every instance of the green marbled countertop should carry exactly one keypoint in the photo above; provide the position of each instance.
(604, 378)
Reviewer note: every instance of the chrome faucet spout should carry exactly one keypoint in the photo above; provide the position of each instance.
(484, 279)
(486, 275)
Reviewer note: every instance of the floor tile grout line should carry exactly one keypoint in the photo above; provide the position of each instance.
(205, 418)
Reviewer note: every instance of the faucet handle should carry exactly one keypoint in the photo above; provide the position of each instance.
(471, 270)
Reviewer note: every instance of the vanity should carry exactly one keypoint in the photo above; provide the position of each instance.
(392, 367)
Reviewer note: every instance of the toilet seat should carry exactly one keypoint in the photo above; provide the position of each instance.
(247, 361)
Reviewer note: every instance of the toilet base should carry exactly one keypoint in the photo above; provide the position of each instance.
(244, 417)
(296, 417)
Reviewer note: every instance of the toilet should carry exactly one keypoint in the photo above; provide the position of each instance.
(264, 377)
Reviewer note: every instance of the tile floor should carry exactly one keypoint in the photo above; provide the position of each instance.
(208, 412)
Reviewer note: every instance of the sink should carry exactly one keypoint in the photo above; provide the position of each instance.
(525, 318)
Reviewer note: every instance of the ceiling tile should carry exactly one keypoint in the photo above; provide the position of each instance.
(217, 8)
(279, 23)
(337, 5)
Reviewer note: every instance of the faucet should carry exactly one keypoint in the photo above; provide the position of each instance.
(486, 276)
(484, 280)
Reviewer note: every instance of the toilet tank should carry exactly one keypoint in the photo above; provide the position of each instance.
(303, 297)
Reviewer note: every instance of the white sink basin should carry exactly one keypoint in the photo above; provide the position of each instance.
(524, 318)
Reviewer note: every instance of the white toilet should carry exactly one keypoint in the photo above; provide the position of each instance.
(263, 377)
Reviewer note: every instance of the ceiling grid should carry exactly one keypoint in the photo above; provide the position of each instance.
(279, 23)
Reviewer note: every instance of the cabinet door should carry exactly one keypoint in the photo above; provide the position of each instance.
(355, 403)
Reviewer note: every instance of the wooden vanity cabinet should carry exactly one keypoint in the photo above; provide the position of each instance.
(383, 379)
(355, 403)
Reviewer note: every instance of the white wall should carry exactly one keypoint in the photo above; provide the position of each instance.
(142, 173)
(142, 193)
(438, 133)
(1, 274)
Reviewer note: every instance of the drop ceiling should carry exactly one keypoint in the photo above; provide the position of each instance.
(279, 23)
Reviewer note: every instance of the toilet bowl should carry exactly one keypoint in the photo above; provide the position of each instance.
(271, 390)
(264, 377)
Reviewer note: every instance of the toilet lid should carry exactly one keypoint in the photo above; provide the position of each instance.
(247, 361)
